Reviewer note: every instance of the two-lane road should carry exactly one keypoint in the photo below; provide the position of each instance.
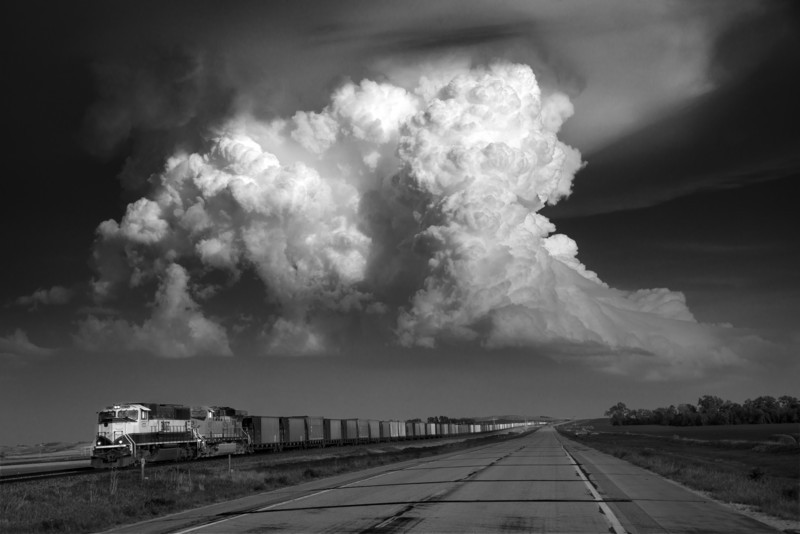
(537, 483)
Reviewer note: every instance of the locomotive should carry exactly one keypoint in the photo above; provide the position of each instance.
(133, 433)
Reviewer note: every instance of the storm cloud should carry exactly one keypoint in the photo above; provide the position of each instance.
(412, 210)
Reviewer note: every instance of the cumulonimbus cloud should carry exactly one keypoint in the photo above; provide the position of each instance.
(418, 205)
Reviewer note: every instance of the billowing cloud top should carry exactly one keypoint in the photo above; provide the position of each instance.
(414, 207)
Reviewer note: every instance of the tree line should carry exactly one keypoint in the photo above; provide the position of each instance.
(458, 420)
(454, 420)
(711, 410)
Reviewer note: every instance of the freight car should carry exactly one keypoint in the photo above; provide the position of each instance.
(131, 433)
(278, 433)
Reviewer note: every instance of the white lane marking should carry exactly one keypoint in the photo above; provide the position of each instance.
(614, 523)
(271, 506)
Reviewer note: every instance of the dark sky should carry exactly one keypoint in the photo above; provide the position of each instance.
(364, 296)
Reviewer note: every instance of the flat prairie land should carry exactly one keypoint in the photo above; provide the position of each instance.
(744, 464)
(708, 432)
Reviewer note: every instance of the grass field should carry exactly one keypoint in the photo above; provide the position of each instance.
(711, 432)
(734, 463)
(115, 497)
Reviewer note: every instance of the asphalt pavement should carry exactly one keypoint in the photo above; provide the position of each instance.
(540, 482)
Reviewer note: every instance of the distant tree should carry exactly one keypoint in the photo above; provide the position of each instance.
(709, 406)
(711, 410)
(661, 416)
(788, 409)
(687, 415)
(761, 410)
(672, 414)
(736, 414)
(727, 413)
(440, 419)
(618, 414)
(639, 416)
(645, 416)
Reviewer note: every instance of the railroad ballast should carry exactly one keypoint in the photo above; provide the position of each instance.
(131, 433)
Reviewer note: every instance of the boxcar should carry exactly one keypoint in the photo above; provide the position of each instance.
(333, 431)
(350, 430)
(264, 431)
(294, 431)
(386, 430)
(315, 430)
(374, 430)
(419, 430)
(363, 430)
(397, 429)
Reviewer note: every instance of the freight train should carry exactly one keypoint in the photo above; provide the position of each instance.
(133, 433)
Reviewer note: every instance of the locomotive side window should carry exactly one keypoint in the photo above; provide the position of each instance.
(144, 416)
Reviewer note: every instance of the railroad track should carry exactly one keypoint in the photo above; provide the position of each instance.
(60, 473)
(42, 475)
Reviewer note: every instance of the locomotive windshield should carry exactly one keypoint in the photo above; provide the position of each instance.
(108, 416)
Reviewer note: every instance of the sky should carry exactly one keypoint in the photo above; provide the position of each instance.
(397, 210)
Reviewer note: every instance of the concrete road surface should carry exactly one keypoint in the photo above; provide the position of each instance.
(540, 482)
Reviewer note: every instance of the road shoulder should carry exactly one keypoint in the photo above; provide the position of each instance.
(661, 505)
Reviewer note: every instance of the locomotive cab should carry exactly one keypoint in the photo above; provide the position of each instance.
(117, 421)
(116, 426)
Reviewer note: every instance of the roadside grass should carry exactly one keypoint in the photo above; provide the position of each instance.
(98, 502)
(762, 475)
